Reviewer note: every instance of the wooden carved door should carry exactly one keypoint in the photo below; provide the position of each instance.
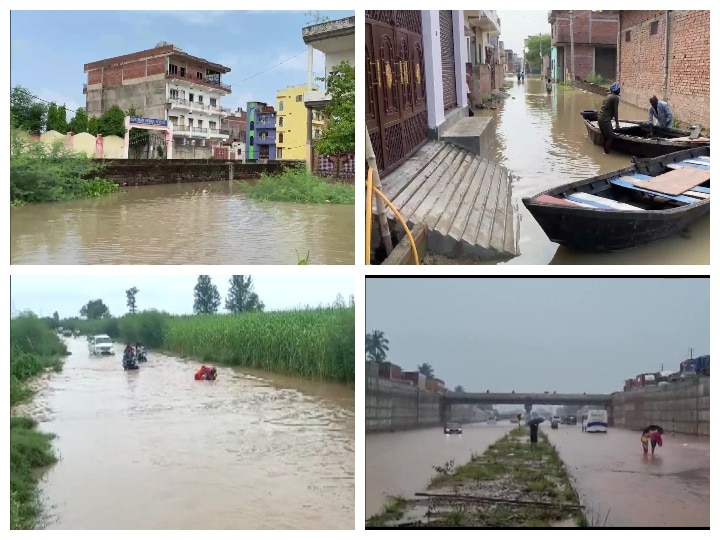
(395, 104)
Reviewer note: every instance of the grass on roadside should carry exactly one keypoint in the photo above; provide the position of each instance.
(298, 186)
(393, 509)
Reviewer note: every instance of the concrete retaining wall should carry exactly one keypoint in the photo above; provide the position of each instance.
(139, 172)
(393, 406)
(686, 404)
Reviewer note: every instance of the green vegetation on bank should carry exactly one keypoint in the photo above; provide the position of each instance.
(34, 348)
(39, 173)
(509, 485)
(315, 343)
(298, 186)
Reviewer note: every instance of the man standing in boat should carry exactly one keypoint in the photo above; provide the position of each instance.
(609, 111)
(661, 111)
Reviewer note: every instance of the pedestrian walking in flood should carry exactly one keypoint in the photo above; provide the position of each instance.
(548, 87)
(534, 426)
(661, 111)
(652, 435)
(608, 112)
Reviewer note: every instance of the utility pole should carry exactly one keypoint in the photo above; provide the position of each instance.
(572, 50)
(541, 58)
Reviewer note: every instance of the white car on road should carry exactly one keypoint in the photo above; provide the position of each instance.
(101, 344)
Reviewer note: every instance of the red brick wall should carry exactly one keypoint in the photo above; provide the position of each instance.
(584, 55)
(642, 62)
(588, 27)
(156, 66)
(95, 76)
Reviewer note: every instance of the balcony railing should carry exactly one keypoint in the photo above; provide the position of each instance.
(206, 82)
(178, 102)
(182, 128)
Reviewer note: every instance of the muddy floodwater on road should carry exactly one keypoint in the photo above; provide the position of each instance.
(542, 141)
(178, 224)
(155, 449)
(402, 463)
(616, 481)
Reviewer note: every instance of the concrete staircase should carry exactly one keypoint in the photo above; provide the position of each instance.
(465, 201)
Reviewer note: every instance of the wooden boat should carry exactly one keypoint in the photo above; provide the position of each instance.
(636, 139)
(652, 199)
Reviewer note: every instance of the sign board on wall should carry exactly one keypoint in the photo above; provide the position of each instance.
(148, 121)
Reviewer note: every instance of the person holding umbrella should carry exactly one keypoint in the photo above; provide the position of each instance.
(534, 424)
(653, 435)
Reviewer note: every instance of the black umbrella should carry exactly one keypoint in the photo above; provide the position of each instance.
(654, 427)
(536, 421)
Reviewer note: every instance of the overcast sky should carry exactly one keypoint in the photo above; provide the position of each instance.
(517, 25)
(67, 294)
(536, 335)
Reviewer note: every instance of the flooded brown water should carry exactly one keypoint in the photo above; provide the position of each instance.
(670, 489)
(542, 140)
(401, 463)
(177, 224)
(155, 449)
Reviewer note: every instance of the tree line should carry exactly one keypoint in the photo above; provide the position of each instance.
(377, 347)
(31, 114)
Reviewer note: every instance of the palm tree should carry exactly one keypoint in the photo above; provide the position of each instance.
(427, 370)
(376, 346)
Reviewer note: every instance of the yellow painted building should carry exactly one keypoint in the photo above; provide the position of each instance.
(291, 127)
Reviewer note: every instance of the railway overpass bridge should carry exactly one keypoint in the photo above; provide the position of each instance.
(449, 399)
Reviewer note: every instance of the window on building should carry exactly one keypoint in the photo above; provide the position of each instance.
(263, 120)
(281, 106)
(200, 124)
(200, 99)
(280, 121)
(279, 153)
(213, 102)
(627, 35)
(182, 72)
(263, 135)
(199, 75)
(172, 69)
(252, 140)
(213, 125)
(174, 94)
(252, 125)
(653, 28)
(191, 98)
(298, 98)
(280, 138)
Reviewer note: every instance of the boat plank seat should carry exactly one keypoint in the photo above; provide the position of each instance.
(638, 176)
(704, 158)
(686, 165)
(601, 202)
(676, 181)
(696, 162)
(622, 182)
(549, 199)
(697, 194)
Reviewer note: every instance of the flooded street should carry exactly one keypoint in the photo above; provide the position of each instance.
(542, 140)
(402, 463)
(155, 449)
(177, 224)
(671, 489)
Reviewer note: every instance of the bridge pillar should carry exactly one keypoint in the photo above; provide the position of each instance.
(445, 412)
(528, 409)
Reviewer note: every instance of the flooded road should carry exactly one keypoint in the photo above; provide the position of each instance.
(402, 463)
(542, 140)
(671, 489)
(177, 224)
(155, 449)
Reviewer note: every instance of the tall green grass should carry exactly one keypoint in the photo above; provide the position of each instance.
(34, 347)
(298, 186)
(313, 343)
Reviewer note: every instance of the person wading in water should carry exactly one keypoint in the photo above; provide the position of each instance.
(608, 112)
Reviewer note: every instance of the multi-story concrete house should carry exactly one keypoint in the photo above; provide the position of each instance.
(292, 122)
(593, 38)
(667, 54)
(163, 83)
(336, 39)
(482, 31)
(261, 132)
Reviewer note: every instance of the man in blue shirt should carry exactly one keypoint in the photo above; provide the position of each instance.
(661, 111)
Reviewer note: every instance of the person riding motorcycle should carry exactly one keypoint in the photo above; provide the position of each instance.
(129, 360)
(140, 352)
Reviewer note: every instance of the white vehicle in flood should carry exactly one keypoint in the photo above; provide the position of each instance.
(100, 345)
(597, 421)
